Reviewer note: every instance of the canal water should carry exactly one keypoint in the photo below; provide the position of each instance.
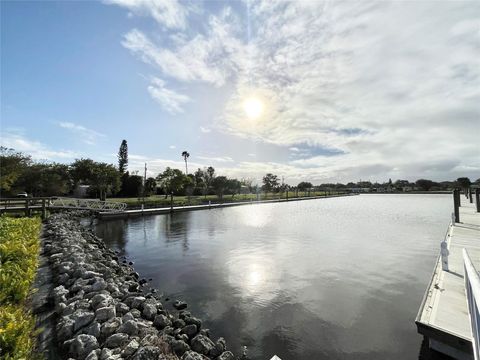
(338, 278)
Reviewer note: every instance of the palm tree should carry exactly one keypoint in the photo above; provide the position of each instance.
(185, 156)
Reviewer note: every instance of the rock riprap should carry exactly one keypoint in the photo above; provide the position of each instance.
(102, 311)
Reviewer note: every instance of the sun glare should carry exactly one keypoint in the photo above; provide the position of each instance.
(253, 108)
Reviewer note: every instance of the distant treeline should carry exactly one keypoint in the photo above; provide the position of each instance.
(19, 173)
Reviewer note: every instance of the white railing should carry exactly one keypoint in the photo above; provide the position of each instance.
(87, 204)
(472, 289)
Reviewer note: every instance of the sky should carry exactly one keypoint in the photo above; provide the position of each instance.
(345, 90)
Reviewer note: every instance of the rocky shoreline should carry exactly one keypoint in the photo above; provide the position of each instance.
(91, 306)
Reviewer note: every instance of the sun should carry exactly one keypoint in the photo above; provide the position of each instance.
(253, 108)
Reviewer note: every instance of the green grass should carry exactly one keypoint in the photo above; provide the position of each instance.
(161, 201)
(19, 246)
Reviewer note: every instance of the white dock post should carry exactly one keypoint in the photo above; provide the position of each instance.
(444, 253)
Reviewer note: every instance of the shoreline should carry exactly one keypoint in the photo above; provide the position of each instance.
(91, 305)
(167, 210)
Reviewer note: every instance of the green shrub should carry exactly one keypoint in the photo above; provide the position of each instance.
(19, 246)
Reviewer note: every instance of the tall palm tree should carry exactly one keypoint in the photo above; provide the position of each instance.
(185, 156)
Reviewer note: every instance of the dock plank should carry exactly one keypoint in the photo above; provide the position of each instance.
(443, 315)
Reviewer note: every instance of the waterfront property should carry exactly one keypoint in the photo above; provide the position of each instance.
(444, 317)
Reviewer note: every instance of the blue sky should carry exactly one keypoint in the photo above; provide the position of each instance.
(348, 90)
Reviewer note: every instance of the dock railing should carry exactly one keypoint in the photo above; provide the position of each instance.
(472, 289)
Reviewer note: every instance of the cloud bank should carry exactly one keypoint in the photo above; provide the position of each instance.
(394, 87)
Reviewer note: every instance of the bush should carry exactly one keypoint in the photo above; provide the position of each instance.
(19, 246)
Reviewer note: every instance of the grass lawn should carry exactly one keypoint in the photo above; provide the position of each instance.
(19, 246)
(161, 201)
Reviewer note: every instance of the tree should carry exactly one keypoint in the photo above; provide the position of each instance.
(208, 176)
(219, 185)
(150, 186)
(464, 182)
(131, 185)
(12, 166)
(424, 184)
(103, 178)
(233, 186)
(171, 180)
(185, 156)
(123, 157)
(270, 183)
(304, 185)
(46, 180)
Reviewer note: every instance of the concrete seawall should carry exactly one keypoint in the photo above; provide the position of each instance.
(166, 210)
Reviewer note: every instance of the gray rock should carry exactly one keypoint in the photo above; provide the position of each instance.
(220, 347)
(149, 311)
(82, 318)
(129, 327)
(101, 300)
(80, 284)
(98, 285)
(194, 321)
(105, 313)
(90, 274)
(180, 305)
(136, 313)
(137, 302)
(81, 345)
(178, 323)
(190, 330)
(59, 294)
(180, 347)
(192, 355)
(65, 328)
(93, 355)
(202, 344)
(227, 355)
(128, 316)
(122, 308)
(161, 321)
(94, 329)
(116, 340)
(147, 353)
(109, 327)
(130, 349)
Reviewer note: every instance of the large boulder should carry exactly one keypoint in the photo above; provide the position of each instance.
(81, 345)
(202, 344)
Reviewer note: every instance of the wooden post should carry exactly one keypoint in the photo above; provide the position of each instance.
(470, 195)
(477, 198)
(27, 210)
(456, 204)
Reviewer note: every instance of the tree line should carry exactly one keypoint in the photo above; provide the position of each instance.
(18, 172)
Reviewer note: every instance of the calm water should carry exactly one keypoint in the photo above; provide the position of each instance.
(322, 279)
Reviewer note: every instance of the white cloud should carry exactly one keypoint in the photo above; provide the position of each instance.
(88, 136)
(169, 13)
(221, 159)
(170, 100)
(205, 130)
(172, 147)
(395, 86)
(212, 57)
(34, 148)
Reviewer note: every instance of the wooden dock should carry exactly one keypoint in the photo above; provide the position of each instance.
(444, 316)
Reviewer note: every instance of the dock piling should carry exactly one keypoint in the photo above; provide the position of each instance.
(456, 204)
(477, 199)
